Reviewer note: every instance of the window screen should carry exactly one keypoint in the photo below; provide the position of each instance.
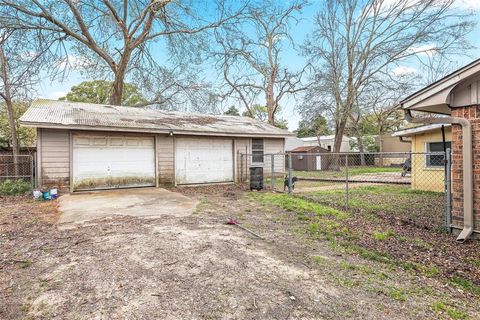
(436, 160)
(257, 150)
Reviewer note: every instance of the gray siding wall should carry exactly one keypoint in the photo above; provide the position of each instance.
(53, 158)
(270, 146)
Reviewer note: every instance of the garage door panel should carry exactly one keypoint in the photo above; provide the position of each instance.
(203, 160)
(109, 162)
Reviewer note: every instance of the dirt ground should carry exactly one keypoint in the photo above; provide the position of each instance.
(197, 267)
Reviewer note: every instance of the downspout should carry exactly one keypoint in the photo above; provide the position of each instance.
(467, 166)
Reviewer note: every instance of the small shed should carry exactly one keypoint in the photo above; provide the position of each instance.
(309, 158)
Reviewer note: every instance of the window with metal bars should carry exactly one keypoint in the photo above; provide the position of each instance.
(436, 160)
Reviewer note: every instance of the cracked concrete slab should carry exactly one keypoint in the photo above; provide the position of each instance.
(141, 202)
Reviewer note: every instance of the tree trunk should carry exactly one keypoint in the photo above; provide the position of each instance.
(270, 102)
(119, 82)
(117, 91)
(361, 149)
(6, 95)
(335, 165)
(380, 149)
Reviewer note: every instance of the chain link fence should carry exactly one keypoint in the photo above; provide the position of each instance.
(15, 168)
(387, 182)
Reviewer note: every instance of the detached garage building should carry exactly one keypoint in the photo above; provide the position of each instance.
(82, 146)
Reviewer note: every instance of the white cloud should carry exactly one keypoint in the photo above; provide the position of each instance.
(426, 49)
(468, 4)
(403, 70)
(72, 61)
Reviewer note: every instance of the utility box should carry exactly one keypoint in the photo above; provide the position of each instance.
(256, 178)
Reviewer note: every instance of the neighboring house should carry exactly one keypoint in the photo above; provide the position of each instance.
(309, 159)
(84, 146)
(428, 171)
(292, 143)
(390, 146)
(457, 96)
(390, 143)
(328, 142)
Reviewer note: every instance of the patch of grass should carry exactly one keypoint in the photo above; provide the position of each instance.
(417, 242)
(396, 293)
(473, 261)
(327, 229)
(430, 271)
(383, 235)
(466, 285)
(24, 263)
(348, 247)
(299, 205)
(25, 307)
(452, 312)
(14, 187)
(319, 259)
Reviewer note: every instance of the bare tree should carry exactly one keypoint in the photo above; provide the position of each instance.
(249, 57)
(357, 44)
(116, 37)
(22, 55)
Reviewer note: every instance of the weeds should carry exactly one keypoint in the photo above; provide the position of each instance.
(466, 285)
(452, 312)
(14, 187)
(382, 236)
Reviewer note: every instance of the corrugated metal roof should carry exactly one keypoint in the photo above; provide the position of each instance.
(87, 116)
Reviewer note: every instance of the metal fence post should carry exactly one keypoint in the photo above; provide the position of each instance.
(273, 171)
(289, 173)
(448, 190)
(346, 182)
(32, 177)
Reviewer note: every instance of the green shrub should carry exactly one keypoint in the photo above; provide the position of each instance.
(14, 187)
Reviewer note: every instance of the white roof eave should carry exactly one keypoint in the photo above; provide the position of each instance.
(436, 97)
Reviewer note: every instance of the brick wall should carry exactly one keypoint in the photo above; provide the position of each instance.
(473, 114)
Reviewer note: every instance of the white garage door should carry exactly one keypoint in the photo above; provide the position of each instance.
(103, 161)
(203, 160)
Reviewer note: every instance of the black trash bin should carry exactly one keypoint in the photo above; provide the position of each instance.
(256, 178)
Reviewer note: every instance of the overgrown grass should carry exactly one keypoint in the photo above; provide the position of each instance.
(14, 187)
(327, 223)
(422, 207)
(298, 205)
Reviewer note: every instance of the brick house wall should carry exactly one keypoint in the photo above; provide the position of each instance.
(472, 113)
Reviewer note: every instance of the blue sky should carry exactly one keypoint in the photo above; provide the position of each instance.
(56, 89)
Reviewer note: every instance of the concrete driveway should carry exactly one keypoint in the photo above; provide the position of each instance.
(142, 202)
